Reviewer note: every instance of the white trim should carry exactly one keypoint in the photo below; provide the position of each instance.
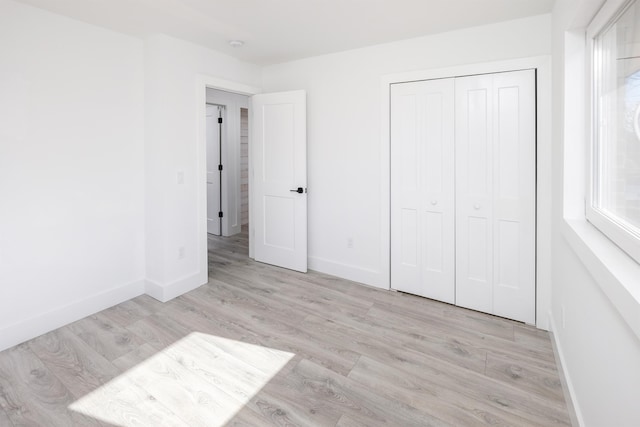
(574, 176)
(626, 239)
(202, 83)
(228, 85)
(615, 272)
(575, 414)
(346, 271)
(544, 187)
(608, 11)
(53, 319)
(164, 293)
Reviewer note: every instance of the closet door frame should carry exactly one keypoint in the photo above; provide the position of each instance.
(542, 65)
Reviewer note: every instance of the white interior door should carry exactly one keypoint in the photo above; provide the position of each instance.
(213, 175)
(495, 194)
(279, 161)
(422, 189)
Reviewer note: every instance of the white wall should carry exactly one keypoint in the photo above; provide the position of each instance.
(71, 170)
(173, 70)
(91, 213)
(600, 351)
(344, 151)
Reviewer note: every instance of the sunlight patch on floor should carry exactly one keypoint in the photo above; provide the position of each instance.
(199, 380)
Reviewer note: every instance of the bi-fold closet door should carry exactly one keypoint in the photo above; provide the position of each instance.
(463, 191)
(422, 189)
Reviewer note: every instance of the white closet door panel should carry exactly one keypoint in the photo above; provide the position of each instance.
(422, 205)
(514, 195)
(495, 194)
(409, 240)
(405, 273)
(438, 200)
(474, 211)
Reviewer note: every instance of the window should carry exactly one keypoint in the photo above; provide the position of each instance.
(614, 182)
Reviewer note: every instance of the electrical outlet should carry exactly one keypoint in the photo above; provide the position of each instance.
(181, 252)
(350, 242)
(180, 177)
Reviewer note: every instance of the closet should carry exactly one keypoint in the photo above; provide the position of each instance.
(463, 153)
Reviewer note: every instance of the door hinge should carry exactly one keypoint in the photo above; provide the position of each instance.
(219, 214)
(219, 119)
(219, 167)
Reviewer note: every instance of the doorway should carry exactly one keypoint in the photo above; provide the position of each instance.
(227, 163)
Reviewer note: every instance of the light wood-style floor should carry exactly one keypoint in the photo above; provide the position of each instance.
(259, 345)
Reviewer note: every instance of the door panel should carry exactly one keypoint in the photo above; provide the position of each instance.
(409, 230)
(279, 149)
(434, 246)
(280, 213)
(422, 188)
(474, 210)
(280, 166)
(514, 195)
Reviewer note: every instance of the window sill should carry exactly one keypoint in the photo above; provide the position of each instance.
(615, 272)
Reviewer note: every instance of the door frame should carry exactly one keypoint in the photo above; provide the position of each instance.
(202, 83)
(542, 65)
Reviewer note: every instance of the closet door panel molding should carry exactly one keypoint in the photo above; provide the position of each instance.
(474, 187)
(514, 195)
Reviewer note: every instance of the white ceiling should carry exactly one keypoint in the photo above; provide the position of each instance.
(281, 30)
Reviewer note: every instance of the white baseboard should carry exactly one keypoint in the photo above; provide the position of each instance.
(350, 272)
(164, 293)
(572, 404)
(27, 329)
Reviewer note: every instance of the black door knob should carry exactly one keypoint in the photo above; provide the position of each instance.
(298, 190)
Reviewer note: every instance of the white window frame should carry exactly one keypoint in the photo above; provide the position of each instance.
(617, 231)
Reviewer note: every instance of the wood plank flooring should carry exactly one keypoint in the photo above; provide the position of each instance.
(259, 345)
